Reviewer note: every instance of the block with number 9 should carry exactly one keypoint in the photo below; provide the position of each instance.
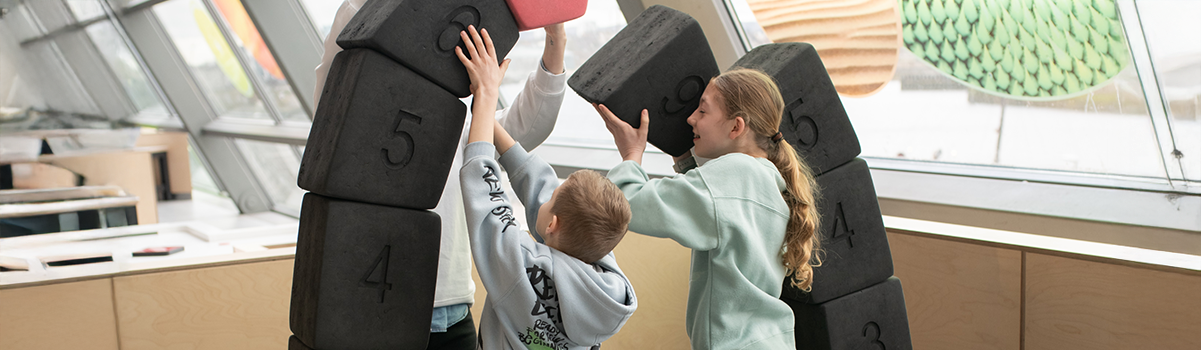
(382, 134)
(364, 275)
(856, 253)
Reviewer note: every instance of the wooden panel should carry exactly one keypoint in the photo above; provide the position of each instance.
(62, 316)
(658, 269)
(179, 168)
(1077, 304)
(131, 170)
(858, 40)
(959, 295)
(229, 307)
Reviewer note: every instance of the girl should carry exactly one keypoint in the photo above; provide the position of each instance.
(748, 215)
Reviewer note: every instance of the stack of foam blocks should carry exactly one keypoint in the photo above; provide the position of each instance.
(855, 302)
(388, 125)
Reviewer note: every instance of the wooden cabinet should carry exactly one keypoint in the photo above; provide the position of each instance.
(66, 316)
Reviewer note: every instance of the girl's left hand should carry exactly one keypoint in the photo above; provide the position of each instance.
(631, 142)
(483, 67)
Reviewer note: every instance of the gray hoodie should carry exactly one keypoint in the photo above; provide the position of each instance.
(538, 297)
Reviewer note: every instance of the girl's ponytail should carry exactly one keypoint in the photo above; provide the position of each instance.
(753, 95)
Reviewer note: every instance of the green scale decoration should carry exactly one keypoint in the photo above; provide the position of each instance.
(1025, 49)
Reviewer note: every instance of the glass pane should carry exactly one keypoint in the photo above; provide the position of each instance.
(265, 68)
(22, 22)
(980, 87)
(60, 87)
(125, 66)
(322, 12)
(578, 123)
(201, 181)
(276, 167)
(85, 9)
(754, 33)
(1174, 37)
(210, 59)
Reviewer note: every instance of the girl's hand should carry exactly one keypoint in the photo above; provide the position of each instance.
(631, 142)
(483, 67)
(553, 49)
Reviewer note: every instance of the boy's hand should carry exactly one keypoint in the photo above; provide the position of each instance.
(631, 142)
(483, 67)
(552, 50)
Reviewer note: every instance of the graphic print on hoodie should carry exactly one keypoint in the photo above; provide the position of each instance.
(529, 284)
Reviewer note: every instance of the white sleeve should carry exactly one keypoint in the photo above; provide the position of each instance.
(345, 13)
(532, 116)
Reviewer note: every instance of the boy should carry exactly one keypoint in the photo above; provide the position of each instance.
(564, 291)
(531, 118)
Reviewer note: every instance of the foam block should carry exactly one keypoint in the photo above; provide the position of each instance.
(295, 344)
(382, 134)
(531, 14)
(873, 318)
(852, 233)
(422, 34)
(661, 62)
(364, 275)
(814, 120)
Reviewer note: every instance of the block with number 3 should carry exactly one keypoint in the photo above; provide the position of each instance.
(364, 275)
(856, 253)
(873, 318)
(382, 134)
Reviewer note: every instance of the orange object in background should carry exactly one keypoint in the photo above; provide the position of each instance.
(239, 21)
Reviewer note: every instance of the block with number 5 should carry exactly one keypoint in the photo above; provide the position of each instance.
(364, 275)
(856, 253)
(382, 134)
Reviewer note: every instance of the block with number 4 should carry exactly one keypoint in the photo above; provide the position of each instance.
(873, 318)
(814, 120)
(660, 62)
(422, 34)
(382, 134)
(364, 275)
(852, 234)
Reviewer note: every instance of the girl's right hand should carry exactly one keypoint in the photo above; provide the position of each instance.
(483, 67)
(631, 142)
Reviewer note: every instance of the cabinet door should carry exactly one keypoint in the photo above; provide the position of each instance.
(77, 315)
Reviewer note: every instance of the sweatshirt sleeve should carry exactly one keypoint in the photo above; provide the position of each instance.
(534, 181)
(680, 208)
(492, 227)
(535, 110)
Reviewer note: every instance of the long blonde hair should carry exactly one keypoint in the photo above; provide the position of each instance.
(754, 96)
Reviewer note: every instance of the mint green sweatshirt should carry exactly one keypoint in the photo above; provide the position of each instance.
(731, 213)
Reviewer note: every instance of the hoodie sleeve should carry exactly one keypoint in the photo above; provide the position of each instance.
(532, 116)
(680, 208)
(496, 239)
(534, 181)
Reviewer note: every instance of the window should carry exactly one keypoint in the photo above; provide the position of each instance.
(125, 66)
(85, 9)
(276, 165)
(945, 97)
(210, 59)
(264, 68)
(59, 84)
(1174, 39)
(578, 123)
(322, 13)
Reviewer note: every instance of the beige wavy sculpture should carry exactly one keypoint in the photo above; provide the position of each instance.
(858, 40)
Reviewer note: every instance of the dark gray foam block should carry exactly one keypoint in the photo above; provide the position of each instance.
(873, 318)
(814, 120)
(855, 246)
(295, 344)
(660, 62)
(422, 34)
(382, 134)
(364, 275)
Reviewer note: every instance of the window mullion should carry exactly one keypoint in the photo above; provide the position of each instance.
(1140, 54)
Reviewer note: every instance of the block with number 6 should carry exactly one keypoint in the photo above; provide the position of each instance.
(856, 253)
(364, 275)
(382, 134)
(873, 318)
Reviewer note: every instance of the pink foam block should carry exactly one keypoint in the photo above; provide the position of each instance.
(532, 14)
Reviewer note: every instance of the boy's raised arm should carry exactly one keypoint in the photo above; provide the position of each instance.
(486, 73)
